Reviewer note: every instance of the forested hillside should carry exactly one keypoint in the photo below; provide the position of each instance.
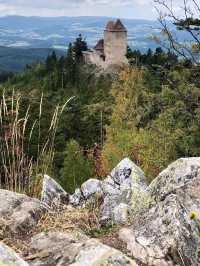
(149, 112)
(15, 59)
(53, 83)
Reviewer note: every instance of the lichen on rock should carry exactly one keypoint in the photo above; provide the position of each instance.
(8, 257)
(165, 234)
(125, 185)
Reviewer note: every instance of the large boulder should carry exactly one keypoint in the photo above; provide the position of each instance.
(122, 172)
(53, 195)
(19, 212)
(91, 187)
(169, 232)
(124, 187)
(8, 257)
(56, 248)
(176, 175)
(88, 191)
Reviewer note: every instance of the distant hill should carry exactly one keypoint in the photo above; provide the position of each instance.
(56, 32)
(41, 33)
(15, 59)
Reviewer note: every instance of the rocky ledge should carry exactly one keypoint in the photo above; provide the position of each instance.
(159, 224)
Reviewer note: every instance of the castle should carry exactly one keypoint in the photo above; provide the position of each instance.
(112, 49)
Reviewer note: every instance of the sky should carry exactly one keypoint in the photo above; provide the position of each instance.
(114, 8)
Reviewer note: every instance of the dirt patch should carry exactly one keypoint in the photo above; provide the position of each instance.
(112, 239)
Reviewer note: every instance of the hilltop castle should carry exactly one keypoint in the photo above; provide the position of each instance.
(112, 49)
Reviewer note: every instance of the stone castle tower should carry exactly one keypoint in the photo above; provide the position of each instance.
(112, 49)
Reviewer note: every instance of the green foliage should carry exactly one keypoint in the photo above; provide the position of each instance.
(16, 59)
(154, 126)
(76, 168)
(79, 46)
(152, 59)
(109, 228)
(188, 24)
(150, 112)
(58, 79)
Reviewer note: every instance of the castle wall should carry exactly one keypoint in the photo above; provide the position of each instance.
(93, 57)
(115, 47)
(112, 50)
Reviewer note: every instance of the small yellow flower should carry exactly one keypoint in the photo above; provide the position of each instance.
(193, 215)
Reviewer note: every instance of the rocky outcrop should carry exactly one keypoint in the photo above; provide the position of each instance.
(9, 258)
(53, 195)
(164, 220)
(75, 249)
(169, 232)
(19, 212)
(125, 191)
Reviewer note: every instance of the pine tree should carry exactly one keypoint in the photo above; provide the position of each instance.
(51, 61)
(79, 46)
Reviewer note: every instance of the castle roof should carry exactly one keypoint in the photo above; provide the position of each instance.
(100, 45)
(115, 26)
(110, 25)
(119, 26)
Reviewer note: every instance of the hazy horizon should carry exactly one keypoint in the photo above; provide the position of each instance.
(127, 9)
(77, 16)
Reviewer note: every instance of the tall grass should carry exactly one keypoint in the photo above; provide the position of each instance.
(19, 170)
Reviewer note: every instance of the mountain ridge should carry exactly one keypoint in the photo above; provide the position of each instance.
(14, 59)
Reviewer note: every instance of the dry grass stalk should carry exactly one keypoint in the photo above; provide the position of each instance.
(19, 171)
(69, 219)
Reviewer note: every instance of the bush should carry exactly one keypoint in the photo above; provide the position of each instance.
(76, 168)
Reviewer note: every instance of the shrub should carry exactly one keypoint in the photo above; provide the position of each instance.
(76, 168)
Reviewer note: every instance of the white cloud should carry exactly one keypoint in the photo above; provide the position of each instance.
(124, 8)
(120, 8)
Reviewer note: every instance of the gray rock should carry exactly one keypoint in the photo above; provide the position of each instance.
(121, 213)
(107, 208)
(109, 187)
(95, 253)
(125, 185)
(122, 172)
(165, 234)
(53, 195)
(19, 211)
(8, 257)
(175, 176)
(88, 192)
(75, 249)
(91, 187)
(77, 198)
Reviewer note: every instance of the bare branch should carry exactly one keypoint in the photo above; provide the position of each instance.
(196, 5)
(187, 23)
